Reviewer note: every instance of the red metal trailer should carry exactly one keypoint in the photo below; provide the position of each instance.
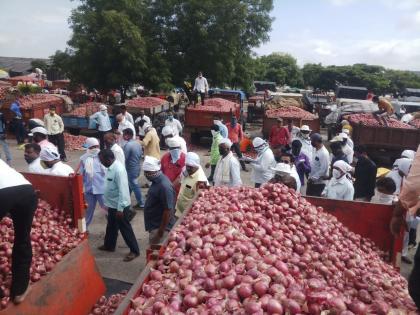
(75, 284)
(367, 219)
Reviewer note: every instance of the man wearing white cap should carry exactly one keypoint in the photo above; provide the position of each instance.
(123, 123)
(263, 164)
(228, 170)
(93, 173)
(151, 141)
(349, 141)
(39, 136)
(303, 137)
(173, 162)
(193, 180)
(159, 209)
(348, 151)
(340, 185)
(168, 133)
(409, 154)
(50, 160)
(399, 171)
(101, 119)
(117, 199)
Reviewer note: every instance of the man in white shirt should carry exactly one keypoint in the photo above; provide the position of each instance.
(123, 123)
(168, 133)
(18, 198)
(174, 123)
(50, 160)
(101, 119)
(201, 87)
(319, 167)
(55, 127)
(145, 119)
(31, 156)
(126, 114)
(111, 143)
(304, 138)
(347, 149)
(340, 185)
(228, 169)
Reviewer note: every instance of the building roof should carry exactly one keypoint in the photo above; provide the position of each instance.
(17, 64)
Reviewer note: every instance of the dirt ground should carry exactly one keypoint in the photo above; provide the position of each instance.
(118, 274)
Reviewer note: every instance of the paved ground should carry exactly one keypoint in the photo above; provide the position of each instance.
(110, 264)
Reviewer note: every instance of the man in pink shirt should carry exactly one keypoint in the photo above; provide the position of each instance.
(279, 135)
(235, 134)
(409, 202)
(39, 136)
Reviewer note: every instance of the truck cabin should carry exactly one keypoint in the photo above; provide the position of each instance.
(351, 92)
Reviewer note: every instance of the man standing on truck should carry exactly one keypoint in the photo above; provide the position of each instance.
(117, 199)
(103, 123)
(55, 127)
(200, 87)
(17, 197)
(279, 135)
(385, 110)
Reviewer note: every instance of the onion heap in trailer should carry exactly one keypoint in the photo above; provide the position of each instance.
(268, 251)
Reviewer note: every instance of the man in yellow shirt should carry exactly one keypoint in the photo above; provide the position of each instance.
(150, 141)
(385, 109)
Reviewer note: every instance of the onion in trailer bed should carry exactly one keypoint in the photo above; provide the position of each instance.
(74, 143)
(268, 251)
(51, 238)
(107, 306)
(370, 120)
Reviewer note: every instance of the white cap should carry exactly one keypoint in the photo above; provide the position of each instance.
(192, 159)
(344, 135)
(146, 126)
(337, 139)
(343, 166)
(102, 107)
(151, 164)
(282, 168)
(346, 131)
(258, 142)
(49, 153)
(226, 141)
(409, 154)
(305, 128)
(41, 130)
(167, 130)
(91, 142)
(173, 142)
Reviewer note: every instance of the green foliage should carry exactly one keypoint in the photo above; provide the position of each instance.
(41, 64)
(282, 69)
(28, 89)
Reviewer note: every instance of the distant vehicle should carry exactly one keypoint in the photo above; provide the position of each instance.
(262, 86)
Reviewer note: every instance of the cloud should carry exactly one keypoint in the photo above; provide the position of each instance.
(341, 2)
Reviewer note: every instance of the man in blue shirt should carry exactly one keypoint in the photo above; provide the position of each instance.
(18, 122)
(101, 119)
(133, 154)
(117, 199)
(93, 177)
(3, 140)
(159, 210)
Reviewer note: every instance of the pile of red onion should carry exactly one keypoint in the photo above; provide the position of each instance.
(74, 143)
(107, 306)
(39, 100)
(289, 112)
(370, 120)
(268, 251)
(145, 102)
(51, 236)
(215, 104)
(85, 109)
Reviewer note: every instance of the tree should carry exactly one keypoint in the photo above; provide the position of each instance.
(40, 64)
(210, 36)
(107, 49)
(282, 69)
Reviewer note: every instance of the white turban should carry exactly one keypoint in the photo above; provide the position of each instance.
(344, 135)
(102, 107)
(258, 142)
(91, 142)
(409, 154)
(167, 130)
(41, 130)
(226, 141)
(346, 131)
(49, 153)
(282, 168)
(146, 126)
(343, 166)
(173, 142)
(192, 159)
(151, 164)
(403, 165)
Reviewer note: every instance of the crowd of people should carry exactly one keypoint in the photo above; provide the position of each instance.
(113, 161)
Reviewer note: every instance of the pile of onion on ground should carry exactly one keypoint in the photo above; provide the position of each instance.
(268, 251)
(51, 236)
(108, 305)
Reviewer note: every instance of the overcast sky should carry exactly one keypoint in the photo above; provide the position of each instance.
(384, 32)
